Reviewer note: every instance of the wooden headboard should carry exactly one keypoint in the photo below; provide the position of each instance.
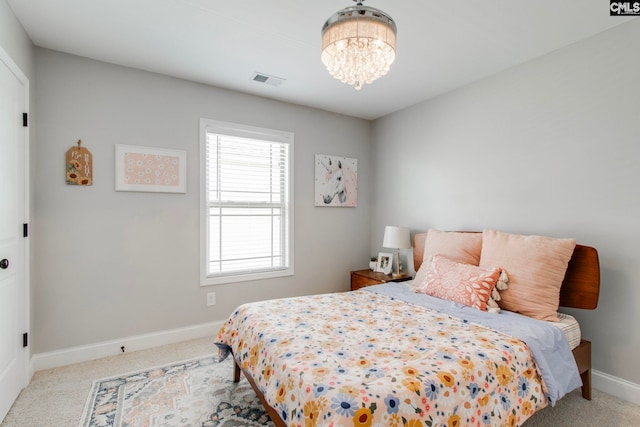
(581, 285)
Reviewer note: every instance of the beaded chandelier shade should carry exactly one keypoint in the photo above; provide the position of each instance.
(358, 44)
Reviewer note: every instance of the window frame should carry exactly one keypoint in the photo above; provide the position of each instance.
(245, 131)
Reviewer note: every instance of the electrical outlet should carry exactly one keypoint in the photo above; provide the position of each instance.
(211, 298)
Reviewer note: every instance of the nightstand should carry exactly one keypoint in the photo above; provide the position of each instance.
(362, 278)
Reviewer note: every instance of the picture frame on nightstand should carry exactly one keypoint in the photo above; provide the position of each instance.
(385, 262)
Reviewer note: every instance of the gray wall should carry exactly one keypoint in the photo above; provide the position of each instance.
(15, 41)
(551, 147)
(116, 264)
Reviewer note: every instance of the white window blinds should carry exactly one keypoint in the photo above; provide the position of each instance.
(248, 209)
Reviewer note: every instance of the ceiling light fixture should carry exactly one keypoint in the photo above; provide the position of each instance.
(358, 44)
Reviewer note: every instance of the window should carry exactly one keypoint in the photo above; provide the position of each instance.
(247, 211)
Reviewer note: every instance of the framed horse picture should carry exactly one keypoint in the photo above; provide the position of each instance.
(336, 181)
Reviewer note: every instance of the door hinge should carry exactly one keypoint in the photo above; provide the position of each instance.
(25, 119)
(25, 339)
(25, 230)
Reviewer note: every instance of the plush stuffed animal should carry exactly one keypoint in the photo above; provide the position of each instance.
(501, 285)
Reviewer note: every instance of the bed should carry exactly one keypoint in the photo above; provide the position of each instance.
(386, 355)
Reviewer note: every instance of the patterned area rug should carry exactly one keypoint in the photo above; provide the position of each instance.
(198, 392)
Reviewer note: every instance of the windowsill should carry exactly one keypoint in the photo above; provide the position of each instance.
(220, 280)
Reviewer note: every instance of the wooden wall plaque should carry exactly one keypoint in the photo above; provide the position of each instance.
(79, 165)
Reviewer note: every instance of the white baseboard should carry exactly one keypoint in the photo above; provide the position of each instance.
(615, 386)
(54, 359)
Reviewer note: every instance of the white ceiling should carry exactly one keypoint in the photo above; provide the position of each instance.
(442, 45)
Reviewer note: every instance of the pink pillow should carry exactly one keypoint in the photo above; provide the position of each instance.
(463, 283)
(536, 266)
(457, 246)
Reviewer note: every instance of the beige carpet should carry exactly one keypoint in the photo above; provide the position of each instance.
(56, 397)
(574, 411)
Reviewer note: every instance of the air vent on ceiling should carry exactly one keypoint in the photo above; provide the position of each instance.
(267, 79)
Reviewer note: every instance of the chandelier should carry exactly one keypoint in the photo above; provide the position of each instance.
(358, 44)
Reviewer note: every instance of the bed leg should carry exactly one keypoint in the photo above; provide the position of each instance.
(236, 371)
(586, 384)
(582, 354)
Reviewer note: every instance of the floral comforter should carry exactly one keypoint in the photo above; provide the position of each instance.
(365, 359)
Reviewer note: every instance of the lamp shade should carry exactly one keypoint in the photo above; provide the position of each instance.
(396, 237)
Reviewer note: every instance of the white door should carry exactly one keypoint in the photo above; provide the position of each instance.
(12, 244)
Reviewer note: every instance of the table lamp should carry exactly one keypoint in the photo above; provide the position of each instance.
(396, 237)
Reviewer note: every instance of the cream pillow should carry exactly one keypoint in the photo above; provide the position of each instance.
(536, 266)
(457, 246)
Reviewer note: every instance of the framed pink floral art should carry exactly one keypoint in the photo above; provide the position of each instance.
(150, 169)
